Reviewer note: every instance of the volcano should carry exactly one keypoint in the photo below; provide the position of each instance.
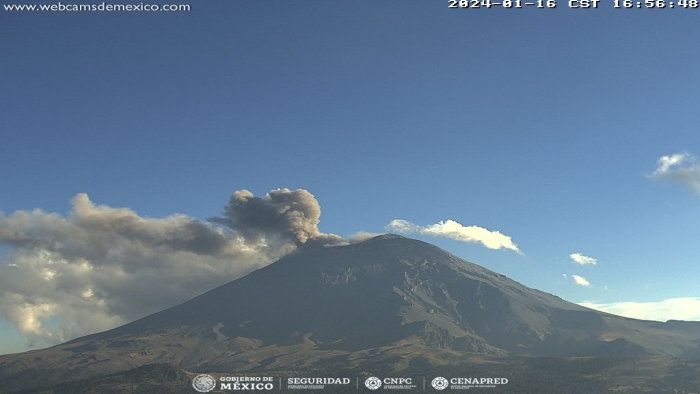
(389, 301)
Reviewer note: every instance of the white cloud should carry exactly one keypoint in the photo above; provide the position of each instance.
(581, 281)
(583, 260)
(681, 308)
(664, 163)
(402, 227)
(454, 230)
(680, 168)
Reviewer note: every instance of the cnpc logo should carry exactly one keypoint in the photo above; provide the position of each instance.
(373, 382)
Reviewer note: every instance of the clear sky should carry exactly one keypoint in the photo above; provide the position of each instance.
(566, 131)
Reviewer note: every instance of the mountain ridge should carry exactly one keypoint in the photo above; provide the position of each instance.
(387, 301)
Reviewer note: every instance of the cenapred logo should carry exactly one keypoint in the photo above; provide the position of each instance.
(440, 383)
(373, 383)
(204, 383)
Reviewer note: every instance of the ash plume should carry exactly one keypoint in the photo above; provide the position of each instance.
(291, 216)
(99, 267)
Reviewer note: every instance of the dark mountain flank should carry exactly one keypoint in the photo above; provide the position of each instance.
(389, 301)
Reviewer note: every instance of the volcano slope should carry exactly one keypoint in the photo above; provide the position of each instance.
(389, 301)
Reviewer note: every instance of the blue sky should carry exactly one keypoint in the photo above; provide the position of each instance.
(544, 125)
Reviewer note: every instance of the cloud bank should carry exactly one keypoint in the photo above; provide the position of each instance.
(580, 259)
(679, 168)
(682, 308)
(454, 230)
(99, 266)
